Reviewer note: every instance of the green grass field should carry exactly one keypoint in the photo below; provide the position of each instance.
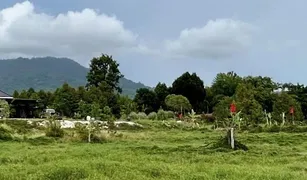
(159, 154)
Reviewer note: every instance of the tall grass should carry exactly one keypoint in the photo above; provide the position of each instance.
(163, 154)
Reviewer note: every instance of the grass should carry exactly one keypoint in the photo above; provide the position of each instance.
(158, 154)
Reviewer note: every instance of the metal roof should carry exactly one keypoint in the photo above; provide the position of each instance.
(4, 95)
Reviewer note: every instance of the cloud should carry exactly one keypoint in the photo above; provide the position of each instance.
(220, 38)
(25, 32)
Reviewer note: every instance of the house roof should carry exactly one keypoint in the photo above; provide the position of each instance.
(4, 95)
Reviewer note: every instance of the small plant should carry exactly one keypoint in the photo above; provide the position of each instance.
(54, 129)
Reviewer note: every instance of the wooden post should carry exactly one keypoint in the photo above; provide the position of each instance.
(232, 140)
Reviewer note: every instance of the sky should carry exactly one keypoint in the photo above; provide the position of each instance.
(157, 41)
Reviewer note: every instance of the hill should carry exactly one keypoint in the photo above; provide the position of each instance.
(48, 73)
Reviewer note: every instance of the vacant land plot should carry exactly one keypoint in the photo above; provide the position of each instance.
(165, 154)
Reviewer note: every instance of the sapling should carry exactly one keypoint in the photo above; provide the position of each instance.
(283, 118)
(270, 118)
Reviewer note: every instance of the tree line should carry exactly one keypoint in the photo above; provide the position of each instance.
(255, 96)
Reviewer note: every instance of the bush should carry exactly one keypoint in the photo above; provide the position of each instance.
(83, 133)
(170, 114)
(6, 132)
(162, 115)
(142, 115)
(152, 116)
(54, 129)
(133, 116)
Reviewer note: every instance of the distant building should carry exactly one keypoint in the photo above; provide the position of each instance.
(24, 108)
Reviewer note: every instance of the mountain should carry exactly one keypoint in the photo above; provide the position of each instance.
(49, 73)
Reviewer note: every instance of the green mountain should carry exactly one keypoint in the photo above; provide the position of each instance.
(48, 73)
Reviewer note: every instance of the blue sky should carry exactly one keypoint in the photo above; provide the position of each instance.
(159, 40)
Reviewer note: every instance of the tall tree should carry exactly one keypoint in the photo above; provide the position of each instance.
(146, 100)
(299, 92)
(66, 100)
(161, 91)
(104, 69)
(192, 87)
(282, 104)
(224, 84)
(250, 108)
(263, 86)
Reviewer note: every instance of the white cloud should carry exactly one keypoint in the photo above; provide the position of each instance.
(221, 38)
(25, 32)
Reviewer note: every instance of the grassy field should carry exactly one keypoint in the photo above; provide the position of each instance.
(159, 154)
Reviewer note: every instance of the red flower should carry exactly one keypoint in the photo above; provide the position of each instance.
(233, 108)
(291, 110)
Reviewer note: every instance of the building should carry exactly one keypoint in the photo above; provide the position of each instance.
(20, 108)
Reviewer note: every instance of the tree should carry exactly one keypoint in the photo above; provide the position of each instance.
(282, 104)
(161, 91)
(192, 87)
(299, 92)
(104, 69)
(177, 103)
(66, 100)
(250, 108)
(263, 87)
(84, 109)
(31, 93)
(126, 105)
(225, 84)
(146, 100)
(221, 109)
(16, 94)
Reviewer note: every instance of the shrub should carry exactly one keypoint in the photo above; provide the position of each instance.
(162, 115)
(6, 132)
(95, 136)
(142, 115)
(133, 116)
(170, 114)
(152, 116)
(54, 129)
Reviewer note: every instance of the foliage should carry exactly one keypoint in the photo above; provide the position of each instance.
(6, 132)
(225, 84)
(283, 103)
(126, 105)
(133, 116)
(65, 100)
(146, 100)
(221, 110)
(152, 116)
(104, 69)
(4, 109)
(263, 88)
(161, 91)
(251, 110)
(177, 103)
(54, 129)
(191, 87)
(162, 115)
(142, 115)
